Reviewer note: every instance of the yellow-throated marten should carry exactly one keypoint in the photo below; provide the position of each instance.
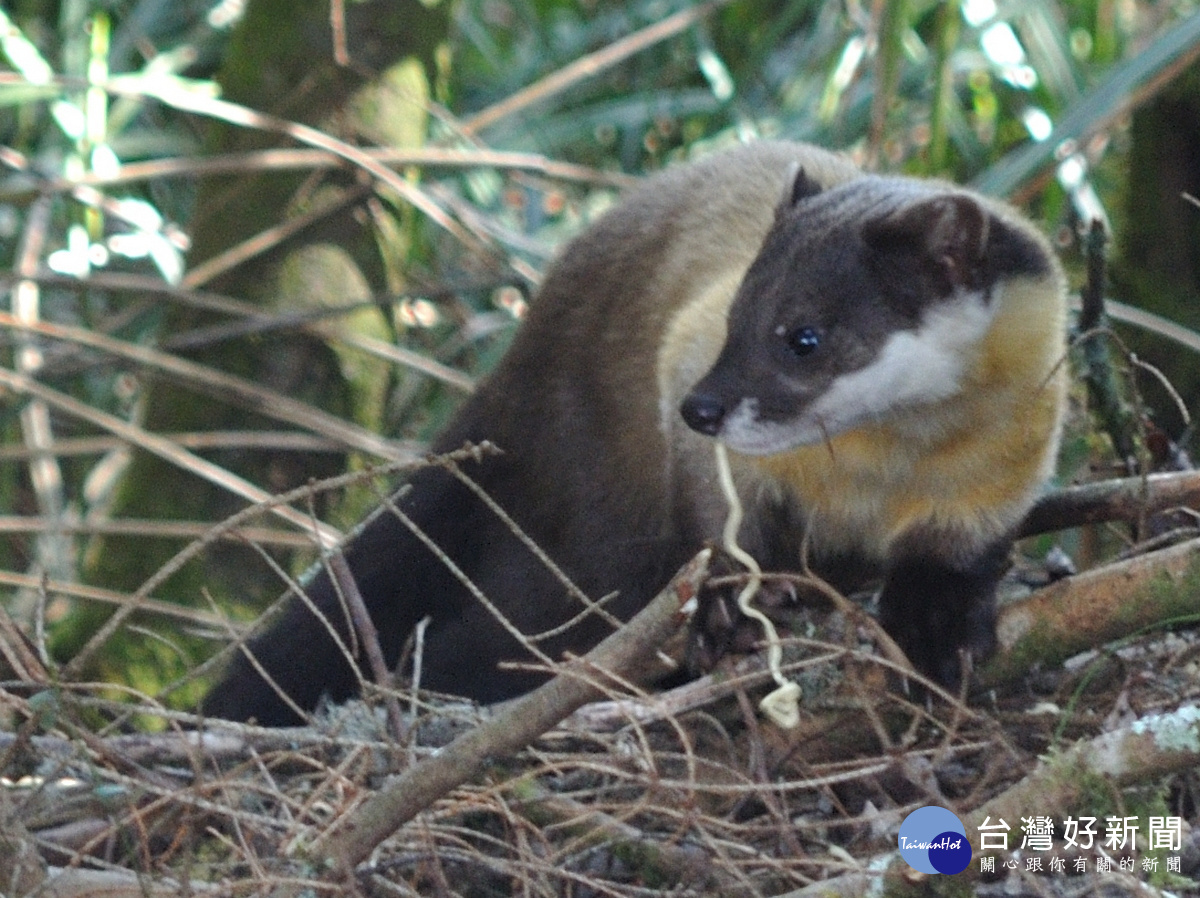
(880, 355)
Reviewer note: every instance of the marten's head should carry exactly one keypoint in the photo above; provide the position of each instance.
(867, 299)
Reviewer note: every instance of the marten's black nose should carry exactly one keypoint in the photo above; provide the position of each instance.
(703, 413)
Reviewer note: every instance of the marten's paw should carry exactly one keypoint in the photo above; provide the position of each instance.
(719, 628)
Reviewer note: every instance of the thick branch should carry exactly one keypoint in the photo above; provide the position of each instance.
(1144, 750)
(1124, 499)
(1095, 607)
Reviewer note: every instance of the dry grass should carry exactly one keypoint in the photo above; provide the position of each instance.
(687, 790)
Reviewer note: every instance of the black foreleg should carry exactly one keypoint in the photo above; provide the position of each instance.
(935, 608)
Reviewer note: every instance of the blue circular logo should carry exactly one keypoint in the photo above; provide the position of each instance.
(933, 840)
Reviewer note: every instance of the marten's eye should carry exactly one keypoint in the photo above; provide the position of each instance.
(803, 340)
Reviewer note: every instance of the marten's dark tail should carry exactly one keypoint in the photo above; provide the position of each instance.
(401, 581)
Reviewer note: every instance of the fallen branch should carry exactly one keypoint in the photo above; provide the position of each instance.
(1124, 499)
(70, 882)
(356, 835)
(224, 741)
(1146, 749)
(1095, 607)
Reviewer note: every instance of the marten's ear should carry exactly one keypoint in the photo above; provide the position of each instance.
(947, 234)
(799, 187)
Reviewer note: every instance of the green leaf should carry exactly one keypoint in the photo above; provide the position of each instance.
(1127, 84)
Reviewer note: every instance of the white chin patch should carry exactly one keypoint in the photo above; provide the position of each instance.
(912, 368)
(744, 432)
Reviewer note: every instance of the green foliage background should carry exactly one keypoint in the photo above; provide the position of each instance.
(295, 194)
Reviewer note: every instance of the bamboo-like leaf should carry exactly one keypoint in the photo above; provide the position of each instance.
(169, 610)
(1128, 84)
(949, 26)
(590, 65)
(635, 111)
(1155, 324)
(164, 448)
(226, 386)
(150, 529)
